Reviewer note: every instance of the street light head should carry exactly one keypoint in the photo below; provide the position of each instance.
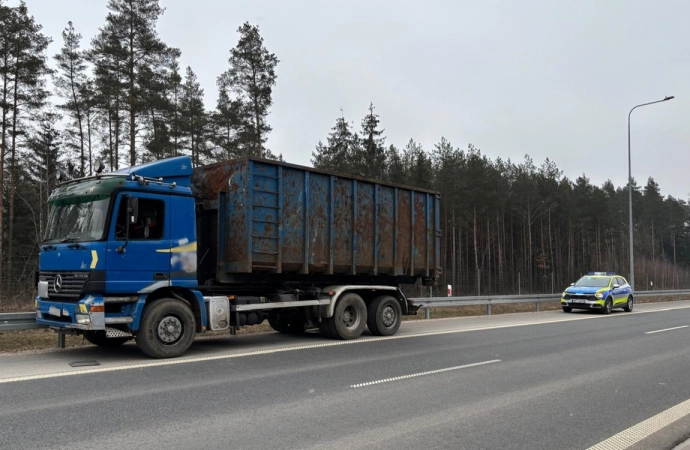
(669, 97)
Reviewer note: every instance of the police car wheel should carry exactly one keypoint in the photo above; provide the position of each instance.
(629, 306)
(567, 309)
(608, 306)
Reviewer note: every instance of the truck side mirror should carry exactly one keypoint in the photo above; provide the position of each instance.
(133, 209)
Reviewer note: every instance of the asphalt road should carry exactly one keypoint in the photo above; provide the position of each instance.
(525, 381)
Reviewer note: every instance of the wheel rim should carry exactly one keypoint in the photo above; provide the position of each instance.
(351, 317)
(388, 316)
(608, 306)
(170, 330)
(630, 303)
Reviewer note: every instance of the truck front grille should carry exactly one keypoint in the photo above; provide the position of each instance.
(65, 285)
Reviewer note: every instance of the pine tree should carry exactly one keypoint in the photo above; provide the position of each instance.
(339, 151)
(70, 85)
(371, 157)
(43, 158)
(130, 46)
(194, 118)
(174, 112)
(108, 58)
(251, 77)
(6, 71)
(230, 122)
(27, 50)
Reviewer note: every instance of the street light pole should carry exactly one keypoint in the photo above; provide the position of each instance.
(630, 211)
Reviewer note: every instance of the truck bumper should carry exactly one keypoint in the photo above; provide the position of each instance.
(76, 316)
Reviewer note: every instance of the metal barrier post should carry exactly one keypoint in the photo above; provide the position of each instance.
(61, 340)
(537, 303)
(427, 314)
(488, 309)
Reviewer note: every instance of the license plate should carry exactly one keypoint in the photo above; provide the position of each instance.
(53, 311)
(578, 301)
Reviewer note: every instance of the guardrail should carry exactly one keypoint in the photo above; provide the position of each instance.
(27, 320)
(488, 300)
(18, 321)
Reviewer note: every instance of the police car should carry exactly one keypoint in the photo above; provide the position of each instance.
(600, 291)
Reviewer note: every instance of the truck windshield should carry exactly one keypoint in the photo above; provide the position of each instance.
(75, 222)
(593, 281)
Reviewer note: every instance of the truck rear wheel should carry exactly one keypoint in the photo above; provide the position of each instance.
(98, 338)
(167, 328)
(349, 317)
(384, 315)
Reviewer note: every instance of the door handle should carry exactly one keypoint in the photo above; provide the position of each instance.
(160, 276)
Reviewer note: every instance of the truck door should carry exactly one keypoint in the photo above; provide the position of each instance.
(140, 263)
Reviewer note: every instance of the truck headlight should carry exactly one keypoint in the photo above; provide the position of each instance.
(599, 295)
(82, 319)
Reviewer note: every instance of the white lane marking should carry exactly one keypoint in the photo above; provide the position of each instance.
(421, 374)
(666, 329)
(642, 430)
(169, 362)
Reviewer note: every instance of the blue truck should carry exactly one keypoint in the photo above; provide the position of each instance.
(163, 251)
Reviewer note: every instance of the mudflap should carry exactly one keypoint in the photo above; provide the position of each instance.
(411, 309)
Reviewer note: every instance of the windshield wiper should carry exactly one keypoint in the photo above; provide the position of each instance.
(72, 238)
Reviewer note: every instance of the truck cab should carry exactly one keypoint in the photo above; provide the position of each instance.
(112, 241)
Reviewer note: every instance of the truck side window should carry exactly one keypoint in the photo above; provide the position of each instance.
(150, 224)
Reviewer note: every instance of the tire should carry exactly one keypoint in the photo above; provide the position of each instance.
(98, 338)
(349, 317)
(289, 325)
(325, 329)
(567, 309)
(608, 306)
(384, 315)
(167, 329)
(629, 305)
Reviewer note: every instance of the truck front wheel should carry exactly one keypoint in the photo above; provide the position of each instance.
(349, 317)
(167, 329)
(384, 315)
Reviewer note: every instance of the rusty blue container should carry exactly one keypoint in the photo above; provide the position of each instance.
(268, 217)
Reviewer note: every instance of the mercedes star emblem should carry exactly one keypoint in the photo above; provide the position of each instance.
(57, 284)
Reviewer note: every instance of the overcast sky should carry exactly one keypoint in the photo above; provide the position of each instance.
(546, 78)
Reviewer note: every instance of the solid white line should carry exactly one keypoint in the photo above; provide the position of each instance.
(642, 430)
(170, 362)
(667, 329)
(421, 374)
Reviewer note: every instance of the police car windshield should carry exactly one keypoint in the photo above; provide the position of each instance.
(593, 281)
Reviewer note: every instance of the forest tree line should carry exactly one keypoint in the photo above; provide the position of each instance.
(123, 98)
(510, 227)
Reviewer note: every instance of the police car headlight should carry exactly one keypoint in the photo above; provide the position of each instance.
(599, 295)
